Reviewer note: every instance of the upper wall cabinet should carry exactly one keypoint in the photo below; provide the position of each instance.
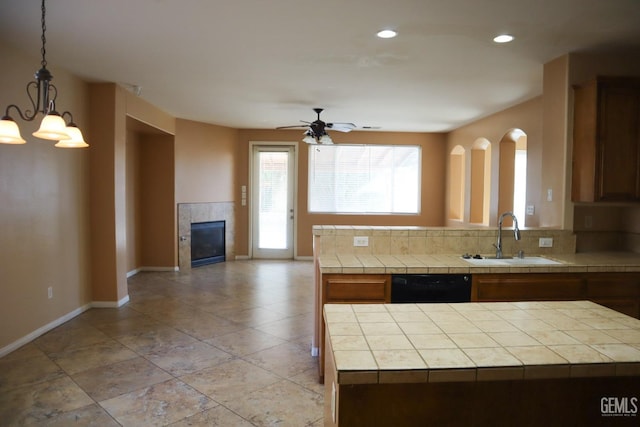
(606, 140)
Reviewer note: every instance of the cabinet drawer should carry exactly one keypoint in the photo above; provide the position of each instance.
(528, 287)
(357, 288)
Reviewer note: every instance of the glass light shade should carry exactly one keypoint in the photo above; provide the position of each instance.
(52, 127)
(325, 139)
(76, 140)
(9, 132)
(309, 139)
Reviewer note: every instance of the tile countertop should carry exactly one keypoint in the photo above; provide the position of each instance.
(453, 263)
(393, 343)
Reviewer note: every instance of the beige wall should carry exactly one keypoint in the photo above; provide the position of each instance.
(107, 173)
(150, 198)
(433, 179)
(555, 144)
(44, 211)
(206, 158)
(110, 125)
(157, 200)
(527, 117)
(134, 247)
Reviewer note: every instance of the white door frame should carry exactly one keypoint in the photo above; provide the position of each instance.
(252, 191)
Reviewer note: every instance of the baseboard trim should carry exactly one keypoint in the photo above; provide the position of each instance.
(44, 329)
(295, 258)
(59, 321)
(110, 304)
(133, 272)
(141, 269)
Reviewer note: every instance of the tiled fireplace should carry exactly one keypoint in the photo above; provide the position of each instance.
(189, 213)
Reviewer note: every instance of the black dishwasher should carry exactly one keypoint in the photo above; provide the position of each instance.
(427, 288)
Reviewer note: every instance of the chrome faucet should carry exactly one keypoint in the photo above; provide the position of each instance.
(516, 232)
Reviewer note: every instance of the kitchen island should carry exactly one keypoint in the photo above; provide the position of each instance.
(498, 363)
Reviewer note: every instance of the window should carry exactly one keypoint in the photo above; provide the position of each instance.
(520, 186)
(361, 179)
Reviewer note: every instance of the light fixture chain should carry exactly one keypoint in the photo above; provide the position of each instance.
(43, 50)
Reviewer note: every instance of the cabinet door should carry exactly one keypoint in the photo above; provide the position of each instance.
(354, 288)
(618, 291)
(618, 161)
(606, 140)
(527, 287)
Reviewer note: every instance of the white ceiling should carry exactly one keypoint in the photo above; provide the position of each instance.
(262, 64)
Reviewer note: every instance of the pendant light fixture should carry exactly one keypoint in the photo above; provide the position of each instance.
(53, 126)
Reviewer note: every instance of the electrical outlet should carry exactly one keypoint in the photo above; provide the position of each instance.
(531, 209)
(361, 241)
(545, 242)
(50, 292)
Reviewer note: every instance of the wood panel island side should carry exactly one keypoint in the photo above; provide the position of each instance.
(481, 364)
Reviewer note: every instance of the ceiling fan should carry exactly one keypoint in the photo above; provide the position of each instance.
(316, 132)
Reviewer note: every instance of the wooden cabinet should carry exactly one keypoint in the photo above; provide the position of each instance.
(348, 289)
(355, 288)
(618, 291)
(606, 140)
(527, 287)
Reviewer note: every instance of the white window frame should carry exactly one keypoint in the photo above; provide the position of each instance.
(321, 180)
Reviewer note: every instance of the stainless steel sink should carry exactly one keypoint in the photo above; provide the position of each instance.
(506, 262)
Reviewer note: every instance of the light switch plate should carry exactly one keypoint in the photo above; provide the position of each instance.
(545, 242)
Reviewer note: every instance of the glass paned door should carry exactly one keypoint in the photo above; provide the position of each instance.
(273, 216)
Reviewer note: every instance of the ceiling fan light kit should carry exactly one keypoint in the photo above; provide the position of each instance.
(316, 131)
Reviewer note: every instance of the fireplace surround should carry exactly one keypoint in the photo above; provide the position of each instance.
(190, 213)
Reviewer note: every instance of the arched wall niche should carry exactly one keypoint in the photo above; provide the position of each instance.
(480, 186)
(512, 175)
(457, 175)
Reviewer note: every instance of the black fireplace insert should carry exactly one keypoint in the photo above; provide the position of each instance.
(207, 243)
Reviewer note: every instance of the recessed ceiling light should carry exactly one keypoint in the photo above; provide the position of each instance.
(387, 34)
(503, 38)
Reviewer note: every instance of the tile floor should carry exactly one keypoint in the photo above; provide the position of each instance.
(224, 345)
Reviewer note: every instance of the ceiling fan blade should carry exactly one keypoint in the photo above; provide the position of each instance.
(294, 126)
(341, 127)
